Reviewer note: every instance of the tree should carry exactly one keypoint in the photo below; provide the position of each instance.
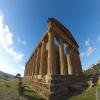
(18, 75)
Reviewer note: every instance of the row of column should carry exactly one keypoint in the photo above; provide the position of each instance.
(69, 62)
(37, 64)
(42, 63)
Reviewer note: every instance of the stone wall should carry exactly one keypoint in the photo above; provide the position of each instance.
(53, 87)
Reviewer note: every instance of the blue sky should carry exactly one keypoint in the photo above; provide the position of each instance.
(23, 22)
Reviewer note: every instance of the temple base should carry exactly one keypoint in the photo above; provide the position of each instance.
(53, 87)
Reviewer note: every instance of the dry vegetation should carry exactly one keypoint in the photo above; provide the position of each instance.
(10, 90)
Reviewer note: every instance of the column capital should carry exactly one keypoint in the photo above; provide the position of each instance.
(50, 35)
(42, 42)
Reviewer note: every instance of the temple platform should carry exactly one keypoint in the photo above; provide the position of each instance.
(55, 87)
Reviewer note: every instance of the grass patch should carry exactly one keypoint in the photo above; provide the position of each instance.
(29, 92)
(9, 90)
(88, 94)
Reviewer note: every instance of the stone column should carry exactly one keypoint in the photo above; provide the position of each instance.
(38, 60)
(27, 69)
(50, 68)
(74, 62)
(66, 64)
(31, 67)
(34, 62)
(42, 59)
(79, 64)
(69, 61)
(62, 58)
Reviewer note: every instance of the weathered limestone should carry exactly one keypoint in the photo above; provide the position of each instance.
(34, 62)
(42, 59)
(62, 60)
(50, 70)
(79, 64)
(55, 63)
(38, 61)
(70, 67)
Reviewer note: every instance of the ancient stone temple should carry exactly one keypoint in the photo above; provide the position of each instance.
(55, 62)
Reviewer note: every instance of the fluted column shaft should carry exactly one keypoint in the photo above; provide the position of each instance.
(25, 71)
(42, 59)
(78, 64)
(34, 63)
(28, 69)
(38, 61)
(69, 61)
(75, 62)
(31, 67)
(62, 58)
(66, 64)
(50, 68)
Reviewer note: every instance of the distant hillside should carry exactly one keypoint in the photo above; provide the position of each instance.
(94, 69)
(3, 74)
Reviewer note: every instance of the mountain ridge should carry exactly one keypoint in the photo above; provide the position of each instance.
(4, 74)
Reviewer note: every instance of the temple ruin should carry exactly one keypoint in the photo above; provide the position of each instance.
(54, 63)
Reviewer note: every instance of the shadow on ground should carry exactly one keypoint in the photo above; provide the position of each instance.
(21, 90)
(73, 92)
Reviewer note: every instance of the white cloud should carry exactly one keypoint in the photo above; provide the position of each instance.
(6, 41)
(87, 42)
(89, 49)
(11, 69)
(21, 41)
(18, 56)
(98, 38)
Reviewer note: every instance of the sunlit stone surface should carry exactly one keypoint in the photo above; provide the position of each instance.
(55, 62)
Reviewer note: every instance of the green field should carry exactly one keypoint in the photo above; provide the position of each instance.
(88, 94)
(10, 90)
